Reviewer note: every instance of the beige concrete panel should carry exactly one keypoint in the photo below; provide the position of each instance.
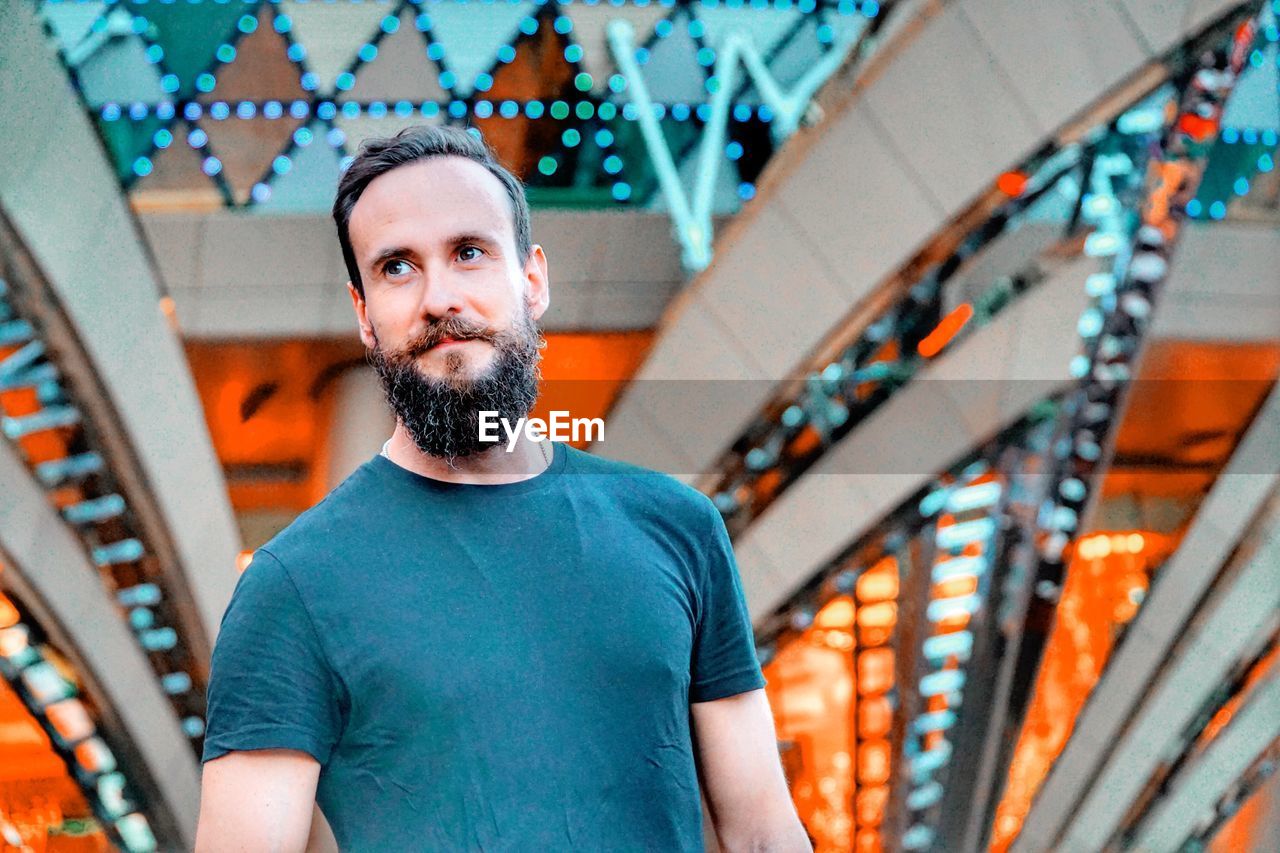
(1159, 22)
(1205, 299)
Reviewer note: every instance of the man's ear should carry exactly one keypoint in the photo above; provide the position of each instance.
(538, 291)
(362, 317)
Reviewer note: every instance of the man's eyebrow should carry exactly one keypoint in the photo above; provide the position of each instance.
(389, 253)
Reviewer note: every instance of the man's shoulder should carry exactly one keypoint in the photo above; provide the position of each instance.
(329, 526)
(646, 485)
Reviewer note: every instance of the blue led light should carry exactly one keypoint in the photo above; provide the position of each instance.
(706, 57)
(564, 24)
(212, 166)
(508, 109)
(390, 24)
(297, 53)
(613, 164)
(1266, 163)
(703, 112)
(484, 82)
(1218, 210)
(247, 24)
(142, 167)
(573, 53)
(422, 22)
(197, 138)
(345, 163)
(205, 82)
(746, 191)
(642, 55)
(377, 109)
(607, 111)
(663, 28)
(219, 110)
(604, 138)
(870, 8)
(367, 52)
(571, 138)
(506, 53)
(283, 23)
(345, 81)
(630, 111)
(272, 110)
(741, 112)
(303, 136)
(622, 191)
(1230, 135)
(225, 53)
(404, 108)
(1194, 208)
(1249, 135)
(137, 111)
(299, 109)
(679, 112)
(335, 137)
(733, 150)
(281, 165)
(457, 109)
(429, 109)
(1241, 186)
(528, 26)
(483, 109)
(192, 111)
(617, 83)
(435, 51)
(447, 80)
(162, 138)
(697, 28)
(547, 165)
(350, 110)
(533, 109)
(326, 110)
(155, 53)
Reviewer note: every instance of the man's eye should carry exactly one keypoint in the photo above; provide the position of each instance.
(390, 268)
(475, 249)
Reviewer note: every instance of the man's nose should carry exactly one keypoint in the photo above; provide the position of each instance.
(441, 294)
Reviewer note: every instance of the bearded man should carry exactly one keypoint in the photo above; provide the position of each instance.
(463, 648)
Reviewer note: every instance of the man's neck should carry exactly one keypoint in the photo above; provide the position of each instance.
(492, 467)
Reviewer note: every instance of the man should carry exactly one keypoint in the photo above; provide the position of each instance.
(463, 648)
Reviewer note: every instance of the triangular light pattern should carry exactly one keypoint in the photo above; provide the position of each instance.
(331, 34)
(261, 71)
(471, 34)
(401, 71)
(118, 72)
(247, 148)
(765, 27)
(1255, 102)
(176, 175)
(589, 32)
(311, 181)
(672, 72)
(71, 21)
(189, 34)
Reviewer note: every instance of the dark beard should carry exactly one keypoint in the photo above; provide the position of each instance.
(442, 416)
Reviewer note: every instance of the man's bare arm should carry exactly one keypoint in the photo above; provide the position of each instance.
(746, 790)
(261, 800)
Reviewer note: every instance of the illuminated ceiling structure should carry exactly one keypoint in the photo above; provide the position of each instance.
(989, 418)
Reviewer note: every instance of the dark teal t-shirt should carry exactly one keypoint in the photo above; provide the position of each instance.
(496, 667)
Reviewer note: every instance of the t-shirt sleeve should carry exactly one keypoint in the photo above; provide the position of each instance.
(270, 684)
(724, 659)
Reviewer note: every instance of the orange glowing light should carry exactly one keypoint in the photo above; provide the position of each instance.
(8, 613)
(956, 587)
(869, 841)
(243, 559)
(873, 762)
(875, 717)
(836, 613)
(1012, 184)
(879, 583)
(875, 671)
(870, 805)
(882, 615)
(945, 331)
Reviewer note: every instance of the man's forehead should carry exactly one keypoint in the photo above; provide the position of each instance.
(448, 195)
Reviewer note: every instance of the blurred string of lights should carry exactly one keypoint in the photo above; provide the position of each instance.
(692, 216)
(794, 430)
(1136, 222)
(50, 694)
(40, 415)
(188, 99)
(930, 564)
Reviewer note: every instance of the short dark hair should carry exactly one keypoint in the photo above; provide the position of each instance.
(378, 155)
